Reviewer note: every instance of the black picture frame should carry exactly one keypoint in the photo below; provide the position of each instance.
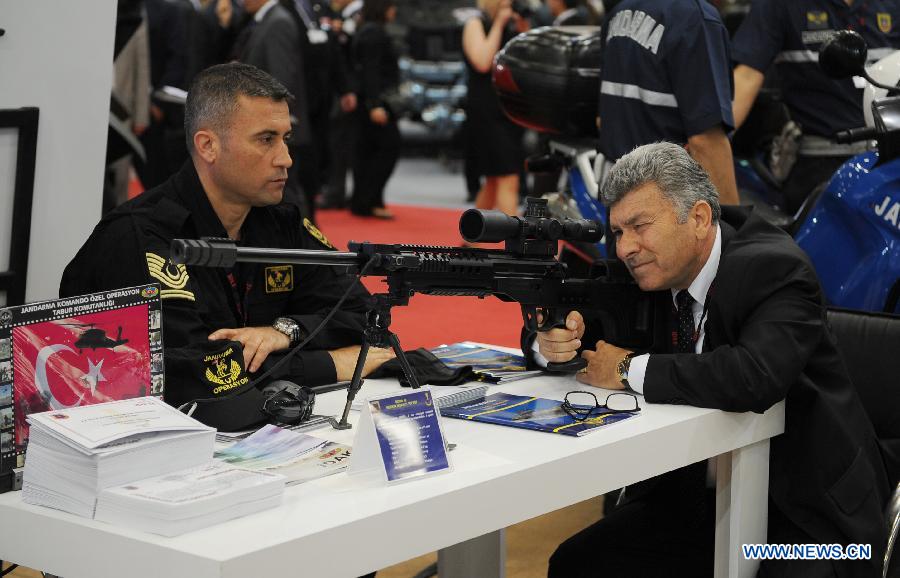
(12, 281)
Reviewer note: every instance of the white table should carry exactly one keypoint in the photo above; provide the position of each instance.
(348, 525)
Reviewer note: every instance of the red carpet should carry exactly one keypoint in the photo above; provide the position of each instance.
(427, 321)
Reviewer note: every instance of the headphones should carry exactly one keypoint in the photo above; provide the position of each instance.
(286, 402)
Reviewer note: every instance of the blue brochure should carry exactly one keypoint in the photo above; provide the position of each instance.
(489, 364)
(409, 435)
(535, 413)
(479, 357)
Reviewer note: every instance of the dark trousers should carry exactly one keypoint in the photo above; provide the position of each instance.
(343, 146)
(377, 150)
(667, 528)
(303, 179)
(667, 531)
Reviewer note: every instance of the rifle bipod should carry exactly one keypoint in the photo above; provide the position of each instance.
(377, 334)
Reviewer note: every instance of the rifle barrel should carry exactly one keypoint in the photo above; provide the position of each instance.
(225, 253)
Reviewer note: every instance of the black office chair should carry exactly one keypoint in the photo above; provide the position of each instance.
(870, 346)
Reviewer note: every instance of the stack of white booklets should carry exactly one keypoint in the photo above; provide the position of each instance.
(190, 499)
(74, 453)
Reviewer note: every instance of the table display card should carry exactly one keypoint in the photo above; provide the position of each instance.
(400, 434)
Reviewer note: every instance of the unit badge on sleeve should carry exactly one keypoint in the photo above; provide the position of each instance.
(315, 232)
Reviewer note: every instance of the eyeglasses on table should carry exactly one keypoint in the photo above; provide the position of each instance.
(581, 405)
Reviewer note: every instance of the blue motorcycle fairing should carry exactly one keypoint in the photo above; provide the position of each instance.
(590, 207)
(852, 235)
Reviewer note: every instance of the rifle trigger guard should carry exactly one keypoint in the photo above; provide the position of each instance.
(553, 319)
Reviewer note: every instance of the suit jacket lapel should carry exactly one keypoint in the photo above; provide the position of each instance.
(710, 339)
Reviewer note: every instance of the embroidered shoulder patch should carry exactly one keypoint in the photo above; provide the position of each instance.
(315, 232)
(174, 278)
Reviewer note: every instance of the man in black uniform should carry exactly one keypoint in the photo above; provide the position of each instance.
(238, 124)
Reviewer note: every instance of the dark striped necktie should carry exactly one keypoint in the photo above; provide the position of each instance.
(685, 340)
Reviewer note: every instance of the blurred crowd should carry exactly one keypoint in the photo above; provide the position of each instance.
(160, 45)
(341, 65)
(339, 58)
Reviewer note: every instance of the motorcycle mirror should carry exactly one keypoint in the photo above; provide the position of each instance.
(844, 55)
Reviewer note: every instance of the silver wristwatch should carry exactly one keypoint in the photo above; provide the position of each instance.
(290, 328)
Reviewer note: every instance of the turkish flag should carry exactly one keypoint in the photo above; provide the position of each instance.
(82, 360)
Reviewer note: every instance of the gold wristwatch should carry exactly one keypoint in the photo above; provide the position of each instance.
(622, 370)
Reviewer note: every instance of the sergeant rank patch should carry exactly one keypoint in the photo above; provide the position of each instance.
(279, 279)
(174, 278)
(315, 232)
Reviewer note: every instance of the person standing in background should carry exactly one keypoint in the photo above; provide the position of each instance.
(130, 103)
(378, 139)
(270, 41)
(789, 36)
(666, 76)
(326, 81)
(342, 133)
(496, 140)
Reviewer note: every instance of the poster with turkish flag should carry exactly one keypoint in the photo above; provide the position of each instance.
(79, 351)
(80, 360)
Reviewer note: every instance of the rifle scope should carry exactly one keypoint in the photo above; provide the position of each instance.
(478, 225)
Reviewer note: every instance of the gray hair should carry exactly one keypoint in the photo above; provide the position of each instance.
(213, 96)
(680, 178)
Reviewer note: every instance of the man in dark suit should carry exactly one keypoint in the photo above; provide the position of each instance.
(326, 79)
(271, 42)
(748, 330)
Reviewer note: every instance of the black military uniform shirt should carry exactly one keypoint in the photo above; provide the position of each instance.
(130, 246)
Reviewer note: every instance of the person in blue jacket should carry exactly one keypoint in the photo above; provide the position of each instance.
(789, 35)
(666, 76)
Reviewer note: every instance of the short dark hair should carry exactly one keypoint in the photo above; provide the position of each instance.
(213, 96)
(376, 10)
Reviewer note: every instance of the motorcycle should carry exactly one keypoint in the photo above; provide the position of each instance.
(852, 232)
(850, 228)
